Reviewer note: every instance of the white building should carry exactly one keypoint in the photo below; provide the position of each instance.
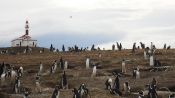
(24, 40)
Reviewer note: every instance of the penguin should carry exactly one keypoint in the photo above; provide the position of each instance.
(56, 92)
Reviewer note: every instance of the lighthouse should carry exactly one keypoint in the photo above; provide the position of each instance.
(24, 40)
(27, 28)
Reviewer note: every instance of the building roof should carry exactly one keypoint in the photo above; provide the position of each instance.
(24, 37)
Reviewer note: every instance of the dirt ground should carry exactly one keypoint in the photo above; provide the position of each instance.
(77, 72)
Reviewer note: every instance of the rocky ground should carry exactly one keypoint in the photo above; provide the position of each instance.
(77, 73)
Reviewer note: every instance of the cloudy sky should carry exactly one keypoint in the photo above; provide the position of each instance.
(87, 22)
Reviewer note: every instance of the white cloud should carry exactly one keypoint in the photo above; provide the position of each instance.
(135, 19)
